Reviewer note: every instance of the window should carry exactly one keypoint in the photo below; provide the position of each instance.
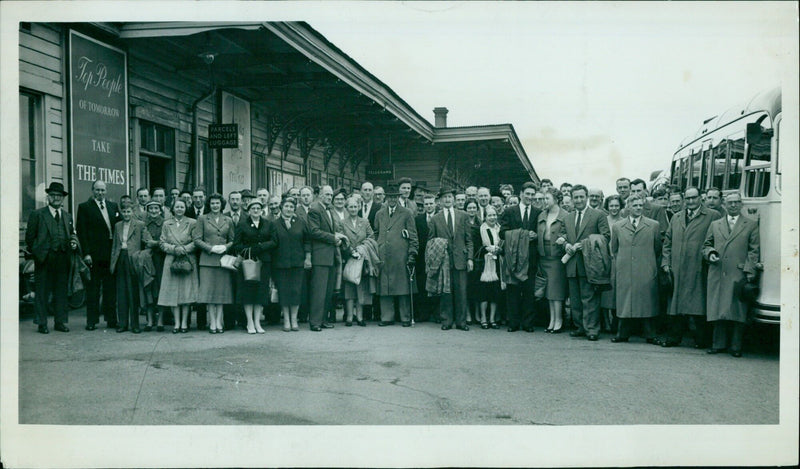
(707, 165)
(736, 162)
(212, 167)
(684, 172)
(30, 151)
(156, 155)
(720, 160)
(694, 177)
(759, 153)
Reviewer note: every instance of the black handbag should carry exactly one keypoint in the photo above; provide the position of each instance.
(181, 265)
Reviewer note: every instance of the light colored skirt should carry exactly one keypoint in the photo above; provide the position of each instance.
(178, 289)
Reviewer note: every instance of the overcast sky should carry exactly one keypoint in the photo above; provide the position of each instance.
(594, 90)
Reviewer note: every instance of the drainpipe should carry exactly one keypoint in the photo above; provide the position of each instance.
(193, 162)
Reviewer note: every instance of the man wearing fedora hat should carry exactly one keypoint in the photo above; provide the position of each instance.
(396, 234)
(451, 224)
(50, 236)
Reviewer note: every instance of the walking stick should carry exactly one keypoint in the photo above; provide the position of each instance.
(411, 269)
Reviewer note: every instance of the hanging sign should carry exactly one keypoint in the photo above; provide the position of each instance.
(98, 100)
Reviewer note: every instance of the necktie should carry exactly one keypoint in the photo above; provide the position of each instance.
(391, 212)
(58, 216)
(634, 223)
(688, 216)
(578, 222)
(102, 205)
(527, 215)
(451, 222)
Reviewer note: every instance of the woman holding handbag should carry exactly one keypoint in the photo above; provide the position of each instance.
(179, 277)
(357, 230)
(489, 290)
(255, 240)
(213, 236)
(551, 233)
(290, 261)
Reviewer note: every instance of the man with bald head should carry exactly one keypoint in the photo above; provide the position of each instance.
(596, 198)
(369, 206)
(484, 198)
(95, 226)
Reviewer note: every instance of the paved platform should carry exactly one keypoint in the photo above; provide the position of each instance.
(382, 375)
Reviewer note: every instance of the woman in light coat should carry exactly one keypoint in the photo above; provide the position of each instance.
(178, 291)
(213, 236)
(551, 230)
(357, 230)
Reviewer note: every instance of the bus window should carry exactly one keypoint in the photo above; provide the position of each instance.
(736, 163)
(694, 177)
(758, 182)
(720, 157)
(684, 172)
(674, 173)
(707, 166)
(757, 169)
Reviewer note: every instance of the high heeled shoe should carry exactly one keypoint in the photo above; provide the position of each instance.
(362, 323)
(494, 325)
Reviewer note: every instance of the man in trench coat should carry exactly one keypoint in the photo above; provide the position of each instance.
(682, 255)
(732, 248)
(398, 245)
(636, 247)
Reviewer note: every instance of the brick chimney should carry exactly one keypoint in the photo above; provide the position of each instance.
(440, 114)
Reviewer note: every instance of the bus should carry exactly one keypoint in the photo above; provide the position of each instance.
(739, 151)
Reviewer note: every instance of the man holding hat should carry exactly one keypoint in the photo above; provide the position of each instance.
(398, 245)
(451, 224)
(50, 237)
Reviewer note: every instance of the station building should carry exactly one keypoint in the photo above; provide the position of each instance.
(229, 106)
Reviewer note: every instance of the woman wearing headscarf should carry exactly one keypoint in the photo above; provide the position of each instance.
(178, 289)
(152, 236)
(213, 235)
(255, 239)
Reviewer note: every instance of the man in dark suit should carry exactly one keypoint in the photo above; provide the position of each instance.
(583, 298)
(520, 297)
(325, 238)
(304, 203)
(451, 224)
(369, 208)
(95, 223)
(424, 304)
(50, 236)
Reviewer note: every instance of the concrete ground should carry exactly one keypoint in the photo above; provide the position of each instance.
(382, 375)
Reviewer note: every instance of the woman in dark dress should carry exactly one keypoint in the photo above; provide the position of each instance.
(489, 289)
(255, 238)
(151, 236)
(290, 260)
(474, 277)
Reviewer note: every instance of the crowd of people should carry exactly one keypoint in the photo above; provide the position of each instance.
(664, 264)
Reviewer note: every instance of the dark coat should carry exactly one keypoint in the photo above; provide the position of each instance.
(459, 240)
(321, 232)
(636, 254)
(394, 250)
(739, 252)
(512, 220)
(93, 231)
(134, 241)
(262, 240)
(593, 222)
(371, 215)
(40, 231)
(294, 243)
(683, 253)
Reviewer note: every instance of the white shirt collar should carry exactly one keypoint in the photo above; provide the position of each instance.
(98, 202)
(522, 208)
(53, 211)
(636, 220)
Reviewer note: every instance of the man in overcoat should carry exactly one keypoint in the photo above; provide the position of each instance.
(732, 248)
(95, 224)
(326, 236)
(50, 237)
(520, 296)
(584, 299)
(398, 245)
(452, 225)
(682, 255)
(636, 247)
